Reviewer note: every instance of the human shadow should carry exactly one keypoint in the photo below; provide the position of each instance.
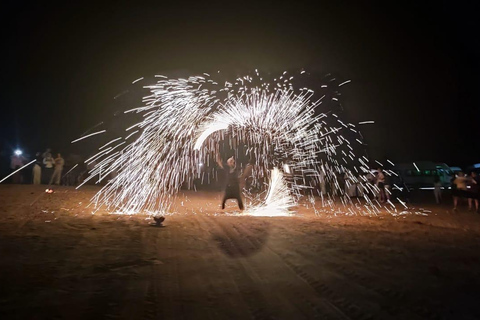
(242, 239)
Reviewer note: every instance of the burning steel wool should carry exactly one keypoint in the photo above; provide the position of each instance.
(295, 146)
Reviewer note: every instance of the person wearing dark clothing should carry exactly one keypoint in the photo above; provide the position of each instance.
(47, 170)
(474, 192)
(381, 185)
(460, 191)
(232, 183)
(437, 188)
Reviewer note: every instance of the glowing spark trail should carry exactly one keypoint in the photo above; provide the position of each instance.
(367, 122)
(343, 83)
(89, 135)
(416, 166)
(211, 128)
(11, 174)
(70, 170)
(278, 200)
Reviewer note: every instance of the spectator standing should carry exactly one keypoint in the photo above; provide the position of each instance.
(460, 190)
(37, 169)
(57, 173)
(323, 183)
(370, 185)
(437, 188)
(48, 163)
(388, 186)
(16, 162)
(381, 185)
(474, 193)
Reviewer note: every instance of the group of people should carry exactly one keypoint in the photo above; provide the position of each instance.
(46, 168)
(466, 187)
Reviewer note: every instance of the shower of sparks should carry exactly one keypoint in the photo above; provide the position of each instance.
(275, 125)
(278, 200)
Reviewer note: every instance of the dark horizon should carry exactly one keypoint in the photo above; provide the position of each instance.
(414, 67)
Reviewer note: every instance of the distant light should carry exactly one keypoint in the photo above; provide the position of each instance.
(201, 164)
(18, 152)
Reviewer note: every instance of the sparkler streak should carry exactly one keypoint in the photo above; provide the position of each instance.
(89, 135)
(11, 174)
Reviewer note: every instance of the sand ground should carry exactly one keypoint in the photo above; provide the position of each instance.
(58, 261)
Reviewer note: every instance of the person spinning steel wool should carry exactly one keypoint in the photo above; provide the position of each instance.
(233, 179)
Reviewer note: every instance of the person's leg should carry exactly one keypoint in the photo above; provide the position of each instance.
(382, 195)
(36, 174)
(455, 201)
(323, 187)
(52, 178)
(59, 176)
(39, 175)
(49, 175)
(16, 176)
(470, 200)
(224, 199)
(240, 203)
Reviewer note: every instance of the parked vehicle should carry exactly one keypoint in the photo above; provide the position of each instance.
(474, 167)
(456, 169)
(421, 174)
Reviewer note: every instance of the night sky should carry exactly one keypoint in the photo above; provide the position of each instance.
(415, 67)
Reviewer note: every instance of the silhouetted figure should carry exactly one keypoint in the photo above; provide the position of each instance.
(437, 188)
(474, 192)
(381, 185)
(388, 186)
(460, 190)
(48, 164)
